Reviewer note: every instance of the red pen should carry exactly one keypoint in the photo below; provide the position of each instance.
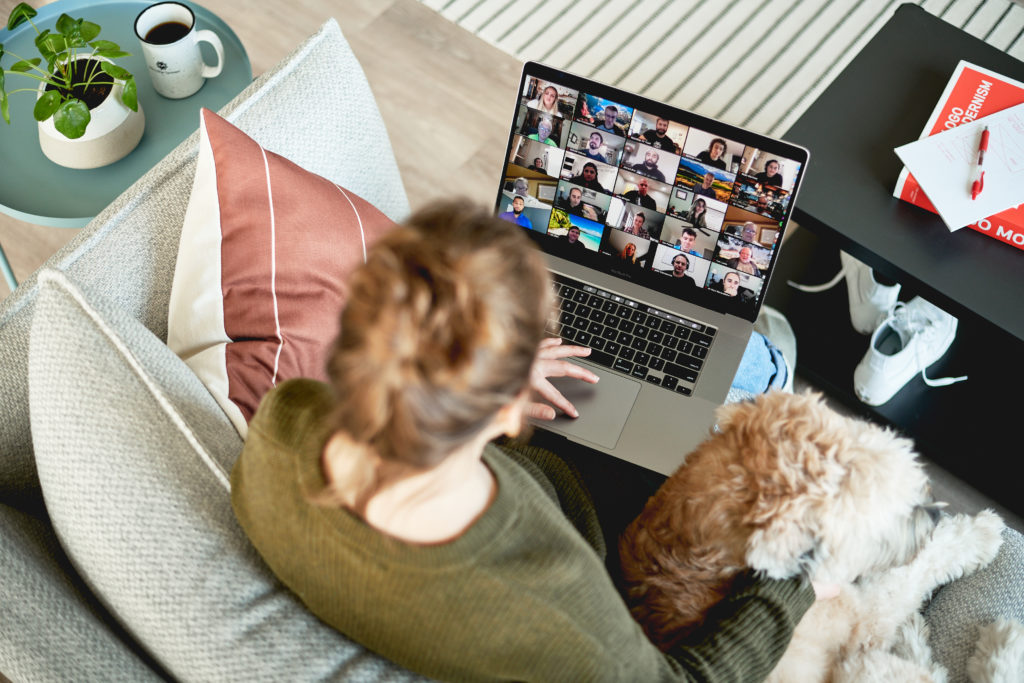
(978, 184)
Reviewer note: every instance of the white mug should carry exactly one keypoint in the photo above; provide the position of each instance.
(170, 45)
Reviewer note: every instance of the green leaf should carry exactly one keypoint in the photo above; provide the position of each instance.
(26, 64)
(104, 45)
(3, 107)
(115, 71)
(46, 105)
(41, 45)
(89, 30)
(65, 24)
(55, 43)
(21, 13)
(130, 95)
(71, 119)
(111, 54)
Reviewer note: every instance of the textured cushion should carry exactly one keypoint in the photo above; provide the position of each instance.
(958, 609)
(50, 628)
(128, 252)
(133, 457)
(265, 249)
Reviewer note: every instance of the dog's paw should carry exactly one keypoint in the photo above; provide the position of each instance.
(970, 542)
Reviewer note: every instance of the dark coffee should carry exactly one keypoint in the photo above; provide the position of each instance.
(167, 32)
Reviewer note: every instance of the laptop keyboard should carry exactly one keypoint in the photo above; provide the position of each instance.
(631, 338)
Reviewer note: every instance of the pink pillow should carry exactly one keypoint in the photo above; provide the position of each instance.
(265, 251)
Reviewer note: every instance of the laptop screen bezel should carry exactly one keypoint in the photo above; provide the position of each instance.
(599, 262)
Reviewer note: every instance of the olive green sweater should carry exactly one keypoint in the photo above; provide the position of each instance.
(520, 595)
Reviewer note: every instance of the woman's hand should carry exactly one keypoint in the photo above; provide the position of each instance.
(550, 363)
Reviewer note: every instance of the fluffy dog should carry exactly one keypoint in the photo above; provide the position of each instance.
(786, 487)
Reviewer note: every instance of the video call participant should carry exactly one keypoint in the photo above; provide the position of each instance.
(593, 148)
(521, 187)
(572, 239)
(543, 133)
(573, 203)
(628, 255)
(548, 100)
(516, 214)
(749, 232)
(588, 178)
(713, 155)
(697, 215)
(680, 264)
(744, 262)
(658, 138)
(770, 175)
(538, 165)
(705, 189)
(640, 196)
(607, 122)
(649, 167)
(685, 242)
(728, 285)
(637, 227)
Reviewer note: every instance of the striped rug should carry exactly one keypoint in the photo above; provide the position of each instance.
(753, 63)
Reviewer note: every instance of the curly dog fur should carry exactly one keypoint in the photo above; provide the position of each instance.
(785, 487)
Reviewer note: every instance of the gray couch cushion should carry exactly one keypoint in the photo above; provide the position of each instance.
(128, 252)
(133, 456)
(50, 628)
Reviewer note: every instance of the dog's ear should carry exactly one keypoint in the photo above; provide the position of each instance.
(782, 549)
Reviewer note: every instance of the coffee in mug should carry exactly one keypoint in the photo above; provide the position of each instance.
(170, 45)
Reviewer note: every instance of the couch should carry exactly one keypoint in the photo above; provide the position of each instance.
(120, 558)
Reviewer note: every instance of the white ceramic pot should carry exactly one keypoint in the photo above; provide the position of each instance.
(114, 130)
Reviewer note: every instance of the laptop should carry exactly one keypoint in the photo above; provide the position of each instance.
(661, 229)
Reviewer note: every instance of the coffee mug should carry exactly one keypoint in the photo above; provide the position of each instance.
(170, 45)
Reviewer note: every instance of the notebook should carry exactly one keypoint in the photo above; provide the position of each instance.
(661, 229)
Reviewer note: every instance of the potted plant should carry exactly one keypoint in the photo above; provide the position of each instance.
(87, 106)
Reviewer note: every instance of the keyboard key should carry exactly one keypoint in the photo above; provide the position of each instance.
(654, 349)
(700, 339)
(566, 318)
(613, 348)
(581, 323)
(583, 338)
(623, 366)
(667, 327)
(568, 334)
(627, 353)
(639, 344)
(583, 311)
(610, 333)
(638, 317)
(612, 320)
(642, 359)
(597, 316)
(679, 371)
(580, 297)
(657, 364)
(684, 390)
(654, 379)
(700, 352)
(690, 362)
(609, 306)
(668, 354)
(625, 311)
(685, 347)
(595, 328)
(565, 292)
(597, 343)
(594, 301)
(627, 326)
(601, 358)
(641, 331)
(656, 336)
(672, 342)
(625, 339)
(669, 382)
(568, 306)
(639, 371)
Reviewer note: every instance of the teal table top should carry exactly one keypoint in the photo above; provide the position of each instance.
(36, 190)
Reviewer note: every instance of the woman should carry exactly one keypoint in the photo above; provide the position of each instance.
(697, 215)
(770, 175)
(383, 503)
(548, 101)
(628, 253)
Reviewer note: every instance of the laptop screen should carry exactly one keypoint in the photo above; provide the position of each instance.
(682, 204)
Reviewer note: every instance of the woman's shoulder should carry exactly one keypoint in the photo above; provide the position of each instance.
(293, 409)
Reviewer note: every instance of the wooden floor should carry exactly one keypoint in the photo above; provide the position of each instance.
(445, 96)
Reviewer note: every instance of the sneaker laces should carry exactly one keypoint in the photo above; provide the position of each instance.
(814, 289)
(909, 322)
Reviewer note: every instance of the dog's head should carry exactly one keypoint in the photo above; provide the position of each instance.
(834, 497)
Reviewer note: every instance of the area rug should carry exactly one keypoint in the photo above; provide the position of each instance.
(753, 63)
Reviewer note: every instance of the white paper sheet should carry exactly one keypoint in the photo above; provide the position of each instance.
(945, 165)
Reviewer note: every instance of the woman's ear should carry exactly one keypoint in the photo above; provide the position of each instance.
(511, 418)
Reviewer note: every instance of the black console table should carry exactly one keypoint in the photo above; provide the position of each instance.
(880, 101)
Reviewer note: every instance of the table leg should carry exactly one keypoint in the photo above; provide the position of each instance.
(6, 268)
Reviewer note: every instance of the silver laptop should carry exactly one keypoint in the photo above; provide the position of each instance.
(661, 228)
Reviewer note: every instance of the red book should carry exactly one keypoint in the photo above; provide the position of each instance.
(972, 93)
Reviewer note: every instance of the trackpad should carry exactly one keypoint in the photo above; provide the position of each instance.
(603, 407)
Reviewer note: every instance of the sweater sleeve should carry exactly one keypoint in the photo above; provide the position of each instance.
(748, 632)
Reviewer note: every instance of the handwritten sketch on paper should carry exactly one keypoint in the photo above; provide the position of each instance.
(945, 165)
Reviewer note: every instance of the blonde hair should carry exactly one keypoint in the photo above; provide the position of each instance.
(439, 333)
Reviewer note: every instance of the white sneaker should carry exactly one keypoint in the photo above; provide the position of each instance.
(870, 302)
(912, 337)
